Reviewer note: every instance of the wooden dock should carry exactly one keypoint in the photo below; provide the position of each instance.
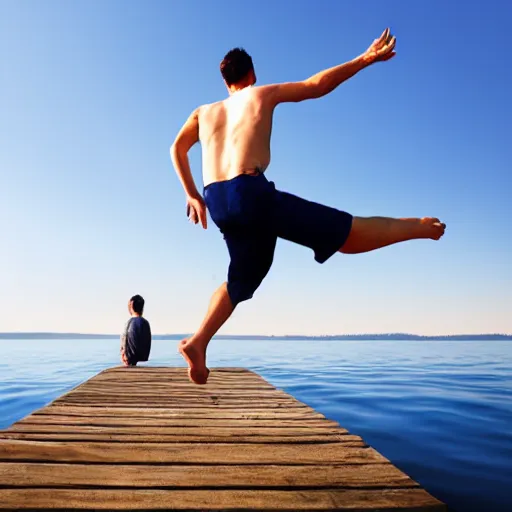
(144, 438)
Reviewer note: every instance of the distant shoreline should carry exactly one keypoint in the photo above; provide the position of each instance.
(334, 337)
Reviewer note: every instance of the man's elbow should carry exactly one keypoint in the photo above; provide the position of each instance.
(181, 146)
(176, 151)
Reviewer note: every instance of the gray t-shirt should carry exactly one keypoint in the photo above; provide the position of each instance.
(136, 340)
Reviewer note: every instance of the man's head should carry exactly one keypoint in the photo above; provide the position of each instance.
(136, 305)
(237, 69)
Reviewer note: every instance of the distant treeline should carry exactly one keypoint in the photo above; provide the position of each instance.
(336, 337)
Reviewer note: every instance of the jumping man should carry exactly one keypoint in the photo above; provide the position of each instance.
(247, 208)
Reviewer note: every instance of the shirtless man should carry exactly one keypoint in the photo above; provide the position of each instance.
(248, 210)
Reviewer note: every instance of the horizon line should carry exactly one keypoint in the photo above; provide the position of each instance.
(398, 333)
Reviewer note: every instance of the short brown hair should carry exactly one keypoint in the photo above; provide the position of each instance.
(137, 304)
(236, 65)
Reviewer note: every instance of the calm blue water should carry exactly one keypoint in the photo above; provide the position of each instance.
(441, 411)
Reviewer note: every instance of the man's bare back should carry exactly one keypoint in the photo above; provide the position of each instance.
(235, 135)
(250, 212)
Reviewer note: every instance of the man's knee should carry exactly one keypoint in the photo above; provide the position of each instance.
(245, 279)
(240, 291)
(350, 244)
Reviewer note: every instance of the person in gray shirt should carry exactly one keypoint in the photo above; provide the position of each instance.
(136, 337)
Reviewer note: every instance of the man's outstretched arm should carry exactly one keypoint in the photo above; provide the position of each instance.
(326, 81)
(186, 138)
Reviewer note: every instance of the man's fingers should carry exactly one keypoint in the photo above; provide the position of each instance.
(202, 216)
(384, 40)
(192, 215)
(389, 45)
(388, 48)
(388, 56)
(384, 35)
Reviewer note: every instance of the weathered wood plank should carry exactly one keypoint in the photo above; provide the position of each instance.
(182, 380)
(347, 499)
(250, 476)
(80, 395)
(151, 412)
(268, 394)
(238, 383)
(130, 421)
(176, 369)
(182, 402)
(319, 454)
(171, 373)
(182, 383)
(184, 406)
(165, 374)
(176, 398)
(197, 430)
(184, 438)
(187, 390)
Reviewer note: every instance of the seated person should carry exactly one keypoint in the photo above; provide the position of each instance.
(136, 338)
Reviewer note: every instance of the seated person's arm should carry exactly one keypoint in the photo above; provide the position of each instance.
(326, 81)
(124, 337)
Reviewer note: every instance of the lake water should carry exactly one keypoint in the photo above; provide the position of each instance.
(439, 410)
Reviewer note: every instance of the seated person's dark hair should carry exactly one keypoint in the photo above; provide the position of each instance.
(137, 304)
(235, 66)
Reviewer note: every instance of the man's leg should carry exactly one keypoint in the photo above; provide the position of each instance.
(327, 230)
(370, 233)
(193, 349)
(251, 254)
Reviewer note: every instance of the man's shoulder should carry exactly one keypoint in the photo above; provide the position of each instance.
(205, 108)
(139, 320)
(143, 321)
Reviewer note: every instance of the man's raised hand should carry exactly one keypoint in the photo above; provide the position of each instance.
(381, 49)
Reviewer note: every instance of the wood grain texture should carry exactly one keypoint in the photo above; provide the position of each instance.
(405, 500)
(252, 476)
(172, 453)
(143, 421)
(144, 411)
(185, 438)
(145, 438)
(197, 430)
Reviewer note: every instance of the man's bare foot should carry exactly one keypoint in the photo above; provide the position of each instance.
(195, 356)
(432, 228)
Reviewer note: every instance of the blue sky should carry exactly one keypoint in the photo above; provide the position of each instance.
(93, 94)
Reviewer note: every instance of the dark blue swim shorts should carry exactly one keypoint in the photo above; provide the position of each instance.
(252, 214)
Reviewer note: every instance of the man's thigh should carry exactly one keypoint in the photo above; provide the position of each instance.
(321, 228)
(251, 255)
